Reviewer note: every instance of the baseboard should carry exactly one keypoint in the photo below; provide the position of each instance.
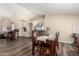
(66, 42)
(25, 37)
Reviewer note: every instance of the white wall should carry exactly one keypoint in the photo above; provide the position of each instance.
(15, 13)
(66, 24)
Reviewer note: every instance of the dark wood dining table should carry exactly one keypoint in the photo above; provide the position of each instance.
(43, 44)
(44, 38)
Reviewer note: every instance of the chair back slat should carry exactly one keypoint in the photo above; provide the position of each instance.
(34, 35)
(56, 38)
(50, 44)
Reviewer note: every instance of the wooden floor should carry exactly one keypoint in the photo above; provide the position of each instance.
(23, 47)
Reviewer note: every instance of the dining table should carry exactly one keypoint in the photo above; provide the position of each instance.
(44, 38)
(42, 42)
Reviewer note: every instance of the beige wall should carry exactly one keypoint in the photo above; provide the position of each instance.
(66, 24)
(3, 25)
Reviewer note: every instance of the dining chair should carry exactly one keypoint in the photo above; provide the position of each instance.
(35, 44)
(11, 35)
(49, 49)
(57, 38)
(75, 38)
(40, 47)
(8, 36)
(77, 44)
(53, 44)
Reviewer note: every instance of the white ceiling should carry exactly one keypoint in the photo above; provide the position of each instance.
(10, 9)
(52, 8)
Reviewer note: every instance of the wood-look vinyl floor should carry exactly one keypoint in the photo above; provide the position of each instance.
(23, 47)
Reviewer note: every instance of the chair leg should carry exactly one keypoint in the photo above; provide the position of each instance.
(56, 52)
(33, 49)
(78, 51)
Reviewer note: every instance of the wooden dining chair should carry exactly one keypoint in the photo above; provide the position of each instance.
(40, 47)
(33, 42)
(11, 35)
(56, 39)
(49, 49)
(53, 44)
(77, 44)
(75, 38)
